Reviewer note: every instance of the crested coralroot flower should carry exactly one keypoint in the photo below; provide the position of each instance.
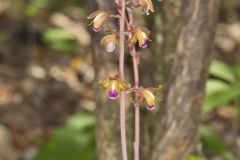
(146, 5)
(140, 34)
(114, 85)
(99, 17)
(148, 94)
(150, 98)
(109, 42)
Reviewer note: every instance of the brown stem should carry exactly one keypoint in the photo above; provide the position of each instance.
(121, 75)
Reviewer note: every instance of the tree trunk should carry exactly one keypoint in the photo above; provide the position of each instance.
(107, 112)
(177, 131)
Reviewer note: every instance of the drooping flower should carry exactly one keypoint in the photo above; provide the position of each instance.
(114, 85)
(140, 34)
(149, 95)
(150, 98)
(146, 5)
(99, 17)
(109, 42)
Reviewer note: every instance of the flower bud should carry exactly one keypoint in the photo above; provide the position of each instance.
(98, 18)
(109, 42)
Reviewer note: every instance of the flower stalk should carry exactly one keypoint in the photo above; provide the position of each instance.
(121, 75)
(135, 58)
(137, 106)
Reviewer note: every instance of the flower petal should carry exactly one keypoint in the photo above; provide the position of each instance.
(146, 6)
(133, 40)
(94, 14)
(109, 42)
(142, 39)
(148, 95)
(105, 83)
(98, 20)
(122, 86)
(110, 47)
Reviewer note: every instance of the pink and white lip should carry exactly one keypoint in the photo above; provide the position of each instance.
(96, 29)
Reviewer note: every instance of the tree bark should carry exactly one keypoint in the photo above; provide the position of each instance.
(193, 38)
(107, 111)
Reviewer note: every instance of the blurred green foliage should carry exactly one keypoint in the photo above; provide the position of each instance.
(214, 143)
(60, 40)
(193, 157)
(35, 6)
(224, 87)
(75, 140)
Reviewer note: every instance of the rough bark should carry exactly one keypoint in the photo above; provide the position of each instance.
(107, 112)
(177, 134)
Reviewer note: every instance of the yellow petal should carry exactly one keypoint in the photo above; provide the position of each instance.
(122, 86)
(150, 5)
(114, 85)
(146, 5)
(142, 37)
(94, 14)
(99, 19)
(148, 95)
(109, 42)
(108, 39)
(105, 83)
(132, 40)
(143, 29)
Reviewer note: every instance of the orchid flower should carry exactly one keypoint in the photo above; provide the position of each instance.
(149, 95)
(139, 34)
(150, 99)
(99, 17)
(146, 5)
(114, 85)
(109, 42)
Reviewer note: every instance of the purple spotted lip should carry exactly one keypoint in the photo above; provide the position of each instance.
(112, 94)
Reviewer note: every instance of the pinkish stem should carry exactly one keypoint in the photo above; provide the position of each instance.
(137, 107)
(136, 81)
(121, 75)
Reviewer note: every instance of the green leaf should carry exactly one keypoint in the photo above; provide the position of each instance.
(219, 93)
(214, 86)
(60, 40)
(222, 70)
(214, 143)
(35, 6)
(193, 157)
(74, 141)
(236, 69)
